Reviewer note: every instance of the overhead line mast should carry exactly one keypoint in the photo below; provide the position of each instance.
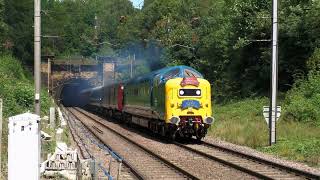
(274, 76)
(37, 54)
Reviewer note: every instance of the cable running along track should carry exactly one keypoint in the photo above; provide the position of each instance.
(251, 165)
(152, 166)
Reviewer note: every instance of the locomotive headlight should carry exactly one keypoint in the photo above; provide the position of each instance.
(198, 92)
(209, 120)
(175, 120)
(181, 92)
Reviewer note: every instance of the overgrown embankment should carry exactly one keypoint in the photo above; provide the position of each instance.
(17, 92)
(17, 88)
(298, 130)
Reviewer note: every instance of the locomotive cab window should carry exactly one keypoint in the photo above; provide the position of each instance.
(171, 74)
(189, 73)
(190, 92)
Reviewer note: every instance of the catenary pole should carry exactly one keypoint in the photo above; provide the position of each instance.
(37, 64)
(37, 53)
(274, 75)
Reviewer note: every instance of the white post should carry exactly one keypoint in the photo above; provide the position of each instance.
(119, 171)
(52, 117)
(131, 66)
(274, 76)
(49, 75)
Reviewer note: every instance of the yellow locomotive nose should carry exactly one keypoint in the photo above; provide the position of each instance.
(188, 104)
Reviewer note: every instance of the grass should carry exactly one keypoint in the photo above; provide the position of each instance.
(66, 136)
(242, 123)
(17, 92)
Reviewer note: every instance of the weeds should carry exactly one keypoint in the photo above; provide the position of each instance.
(243, 123)
(17, 92)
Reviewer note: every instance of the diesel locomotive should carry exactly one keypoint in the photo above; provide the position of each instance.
(174, 101)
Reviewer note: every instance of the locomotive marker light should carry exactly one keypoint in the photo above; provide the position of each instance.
(181, 92)
(198, 92)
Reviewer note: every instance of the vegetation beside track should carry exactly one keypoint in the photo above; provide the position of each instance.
(242, 123)
(17, 92)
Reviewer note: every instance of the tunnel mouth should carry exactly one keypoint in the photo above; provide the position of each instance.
(70, 92)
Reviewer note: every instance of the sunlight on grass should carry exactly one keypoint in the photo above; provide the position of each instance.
(243, 123)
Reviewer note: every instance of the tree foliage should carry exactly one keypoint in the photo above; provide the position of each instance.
(3, 27)
(219, 38)
(18, 16)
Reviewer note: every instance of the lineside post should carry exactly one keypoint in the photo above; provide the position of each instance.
(49, 76)
(131, 68)
(274, 75)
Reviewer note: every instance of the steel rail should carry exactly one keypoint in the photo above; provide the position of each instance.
(182, 171)
(255, 159)
(264, 161)
(136, 173)
(233, 165)
(283, 168)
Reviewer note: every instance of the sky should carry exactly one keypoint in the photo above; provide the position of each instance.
(137, 3)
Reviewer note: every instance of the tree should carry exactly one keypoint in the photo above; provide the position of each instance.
(3, 28)
(18, 16)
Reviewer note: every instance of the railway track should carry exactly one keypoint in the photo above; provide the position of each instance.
(127, 171)
(251, 165)
(150, 166)
(255, 166)
(289, 169)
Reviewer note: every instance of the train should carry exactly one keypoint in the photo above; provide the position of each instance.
(173, 102)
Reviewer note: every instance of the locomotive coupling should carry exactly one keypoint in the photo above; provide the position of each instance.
(175, 120)
(208, 120)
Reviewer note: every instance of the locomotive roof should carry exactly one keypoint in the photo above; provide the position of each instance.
(147, 77)
(163, 71)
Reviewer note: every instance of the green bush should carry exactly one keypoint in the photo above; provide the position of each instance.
(17, 88)
(313, 63)
(303, 100)
(17, 92)
(10, 68)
